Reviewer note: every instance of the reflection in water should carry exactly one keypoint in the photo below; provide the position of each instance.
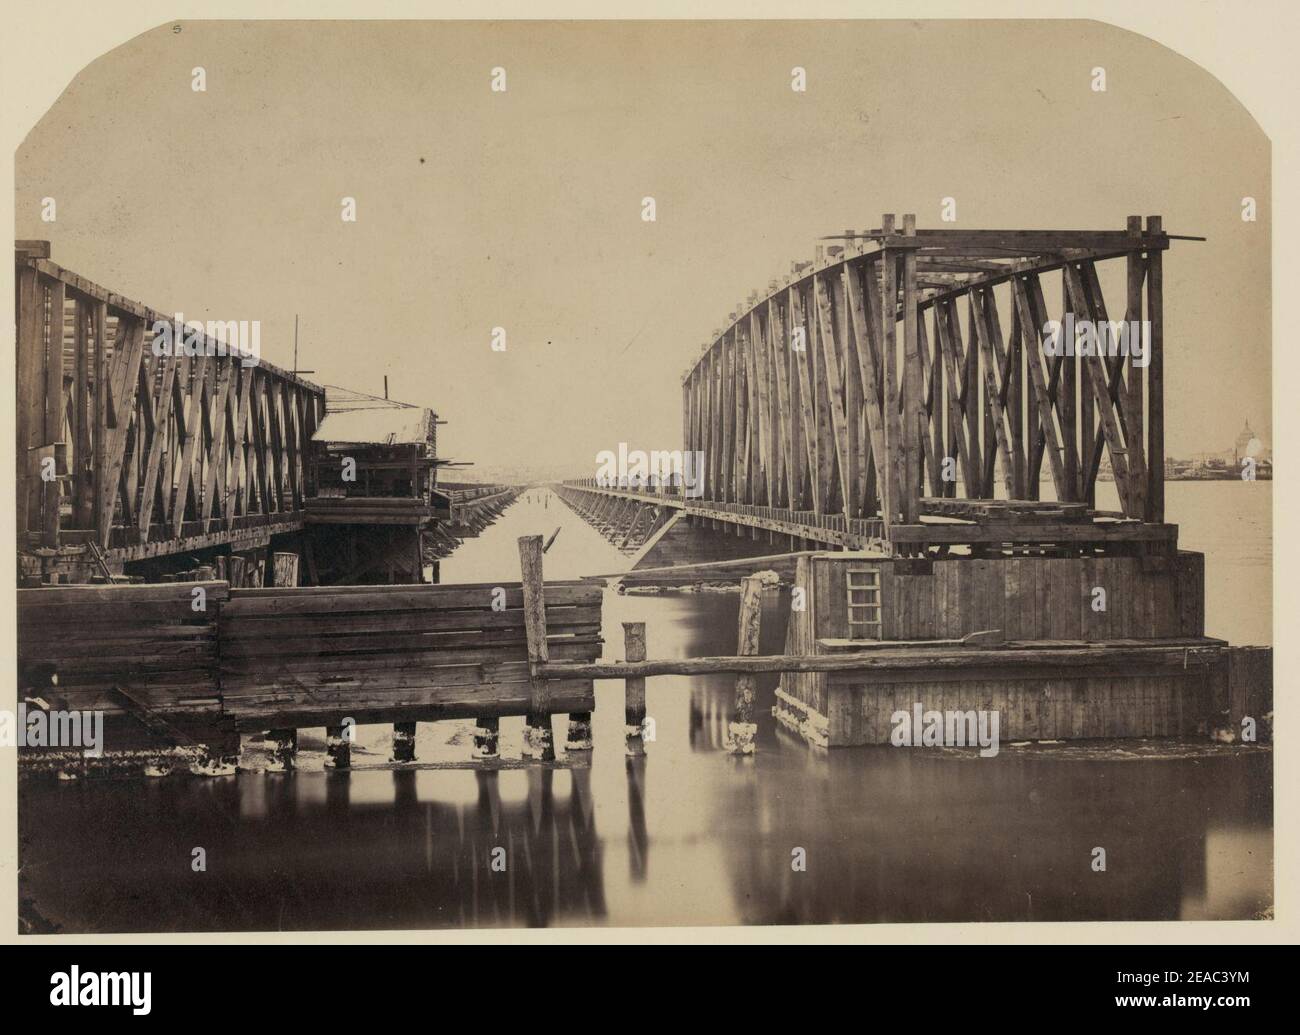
(888, 835)
(638, 841)
(295, 853)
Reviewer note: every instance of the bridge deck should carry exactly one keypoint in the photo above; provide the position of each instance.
(947, 522)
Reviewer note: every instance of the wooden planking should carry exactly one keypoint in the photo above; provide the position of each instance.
(408, 648)
(278, 641)
(417, 705)
(1135, 703)
(291, 652)
(1028, 598)
(164, 593)
(830, 590)
(1190, 583)
(98, 638)
(1250, 689)
(355, 599)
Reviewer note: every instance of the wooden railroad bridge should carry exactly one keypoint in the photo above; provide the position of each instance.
(142, 461)
(902, 393)
(868, 417)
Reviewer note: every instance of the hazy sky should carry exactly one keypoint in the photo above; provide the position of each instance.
(522, 209)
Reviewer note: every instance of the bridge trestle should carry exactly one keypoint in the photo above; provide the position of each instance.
(130, 449)
(903, 370)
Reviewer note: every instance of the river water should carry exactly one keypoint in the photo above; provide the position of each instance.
(687, 835)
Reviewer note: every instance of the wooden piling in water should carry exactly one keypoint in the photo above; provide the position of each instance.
(742, 729)
(404, 742)
(284, 748)
(634, 649)
(579, 736)
(486, 732)
(539, 739)
(283, 742)
(220, 754)
(338, 747)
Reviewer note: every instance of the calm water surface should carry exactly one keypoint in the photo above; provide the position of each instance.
(688, 835)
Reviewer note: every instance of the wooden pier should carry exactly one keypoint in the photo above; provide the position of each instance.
(168, 674)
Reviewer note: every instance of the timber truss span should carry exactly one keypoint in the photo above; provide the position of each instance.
(909, 391)
(131, 455)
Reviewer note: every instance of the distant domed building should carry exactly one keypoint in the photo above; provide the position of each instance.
(1248, 444)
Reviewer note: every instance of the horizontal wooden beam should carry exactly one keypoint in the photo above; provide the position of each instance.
(1035, 532)
(126, 305)
(1073, 657)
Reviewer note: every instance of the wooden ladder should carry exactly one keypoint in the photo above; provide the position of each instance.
(864, 614)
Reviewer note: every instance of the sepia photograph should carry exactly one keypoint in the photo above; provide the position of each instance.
(575, 475)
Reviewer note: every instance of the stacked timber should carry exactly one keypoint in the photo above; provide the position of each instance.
(307, 657)
(126, 650)
(368, 510)
(195, 662)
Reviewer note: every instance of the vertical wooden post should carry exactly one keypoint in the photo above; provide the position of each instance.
(1156, 378)
(284, 747)
(285, 569)
(579, 736)
(54, 408)
(712, 427)
(742, 730)
(890, 504)
(220, 752)
(99, 424)
(912, 385)
(338, 746)
(1067, 394)
(1134, 392)
(404, 742)
(634, 688)
(973, 410)
(486, 732)
(29, 396)
(81, 406)
(539, 740)
(1087, 419)
(1015, 403)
